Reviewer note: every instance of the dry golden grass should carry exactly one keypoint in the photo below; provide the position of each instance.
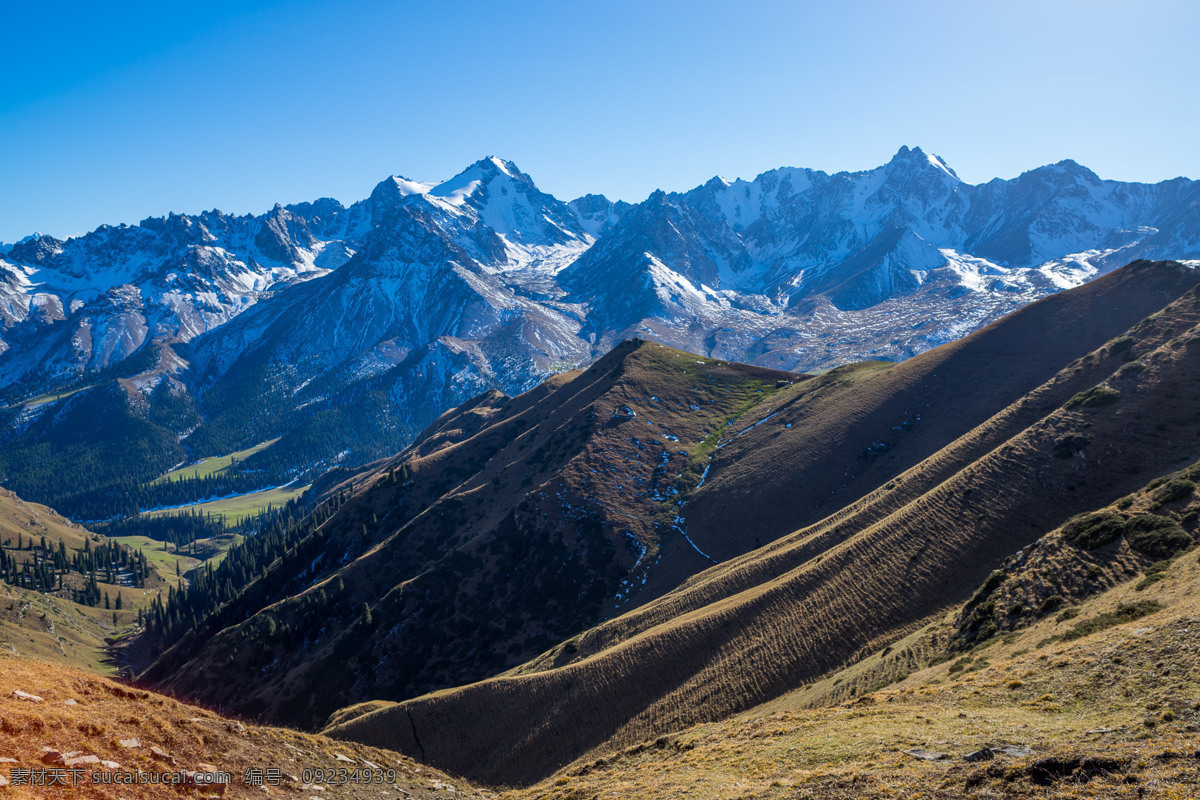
(53, 629)
(19, 518)
(103, 713)
(1129, 694)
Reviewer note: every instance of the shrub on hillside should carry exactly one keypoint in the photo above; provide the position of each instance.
(1126, 612)
(1121, 345)
(1096, 397)
(1051, 604)
(989, 585)
(1155, 536)
(1173, 490)
(1097, 529)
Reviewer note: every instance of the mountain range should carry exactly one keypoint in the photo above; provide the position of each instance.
(673, 575)
(666, 540)
(347, 330)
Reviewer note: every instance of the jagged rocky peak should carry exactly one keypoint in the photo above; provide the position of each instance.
(395, 188)
(474, 184)
(916, 158)
(457, 189)
(591, 204)
(597, 214)
(179, 229)
(320, 210)
(1067, 172)
(492, 191)
(282, 236)
(35, 250)
(508, 201)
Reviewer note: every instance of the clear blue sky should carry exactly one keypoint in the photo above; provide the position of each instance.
(113, 112)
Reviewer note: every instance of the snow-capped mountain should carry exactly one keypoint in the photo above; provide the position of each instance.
(811, 255)
(424, 294)
(81, 305)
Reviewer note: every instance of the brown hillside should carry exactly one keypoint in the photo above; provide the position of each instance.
(510, 525)
(99, 726)
(764, 623)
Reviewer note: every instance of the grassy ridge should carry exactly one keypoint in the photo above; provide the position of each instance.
(512, 523)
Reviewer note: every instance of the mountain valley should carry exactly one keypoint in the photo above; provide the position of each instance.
(806, 486)
(725, 617)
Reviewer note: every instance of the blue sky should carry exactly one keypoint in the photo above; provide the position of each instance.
(113, 112)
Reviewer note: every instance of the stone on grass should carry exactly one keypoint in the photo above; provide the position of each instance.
(925, 755)
(1015, 750)
(159, 754)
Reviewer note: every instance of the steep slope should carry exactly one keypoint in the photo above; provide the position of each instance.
(764, 623)
(821, 444)
(82, 449)
(1098, 702)
(33, 623)
(117, 741)
(512, 523)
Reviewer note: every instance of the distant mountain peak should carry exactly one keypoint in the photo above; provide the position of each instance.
(918, 158)
(507, 167)
(36, 249)
(1075, 169)
(397, 187)
(480, 174)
